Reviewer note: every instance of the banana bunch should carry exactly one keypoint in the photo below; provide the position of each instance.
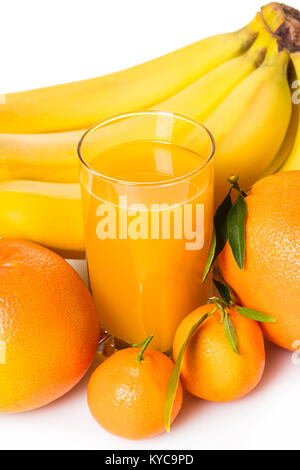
(238, 84)
(283, 22)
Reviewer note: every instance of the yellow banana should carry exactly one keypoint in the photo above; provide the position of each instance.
(249, 127)
(201, 98)
(250, 124)
(281, 19)
(286, 146)
(78, 105)
(47, 213)
(40, 157)
(293, 160)
(53, 157)
(288, 141)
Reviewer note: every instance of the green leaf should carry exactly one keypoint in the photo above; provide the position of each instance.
(219, 235)
(225, 292)
(210, 258)
(174, 379)
(236, 220)
(231, 335)
(220, 223)
(256, 315)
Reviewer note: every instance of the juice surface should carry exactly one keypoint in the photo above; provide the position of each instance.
(145, 266)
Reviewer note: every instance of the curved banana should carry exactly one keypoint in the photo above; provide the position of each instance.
(202, 97)
(40, 157)
(250, 125)
(53, 157)
(46, 213)
(293, 160)
(289, 140)
(78, 105)
(286, 146)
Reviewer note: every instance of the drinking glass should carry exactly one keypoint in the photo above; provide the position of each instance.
(147, 187)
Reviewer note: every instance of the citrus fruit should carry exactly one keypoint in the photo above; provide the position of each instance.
(48, 326)
(127, 397)
(210, 368)
(270, 279)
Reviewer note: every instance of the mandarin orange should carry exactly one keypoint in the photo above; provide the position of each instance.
(210, 368)
(127, 397)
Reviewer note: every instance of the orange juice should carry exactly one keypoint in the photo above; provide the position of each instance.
(148, 226)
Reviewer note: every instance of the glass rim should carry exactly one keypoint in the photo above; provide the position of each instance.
(119, 117)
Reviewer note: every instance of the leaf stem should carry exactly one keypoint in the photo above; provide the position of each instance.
(175, 376)
(219, 303)
(233, 180)
(144, 345)
(225, 291)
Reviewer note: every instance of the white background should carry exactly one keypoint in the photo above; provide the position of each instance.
(49, 42)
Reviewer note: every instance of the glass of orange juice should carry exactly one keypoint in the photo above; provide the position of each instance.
(147, 190)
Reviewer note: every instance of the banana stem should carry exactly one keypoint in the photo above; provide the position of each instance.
(284, 22)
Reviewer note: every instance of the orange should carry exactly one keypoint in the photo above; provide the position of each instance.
(210, 368)
(270, 279)
(127, 398)
(48, 326)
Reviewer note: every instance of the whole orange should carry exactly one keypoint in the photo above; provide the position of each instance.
(210, 368)
(270, 279)
(48, 326)
(127, 398)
